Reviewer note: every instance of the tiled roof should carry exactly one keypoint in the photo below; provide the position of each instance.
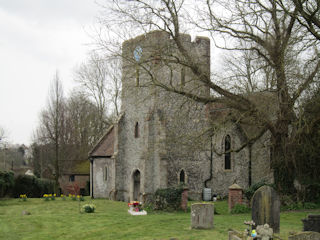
(104, 147)
(82, 168)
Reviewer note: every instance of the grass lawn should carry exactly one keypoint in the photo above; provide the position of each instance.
(61, 220)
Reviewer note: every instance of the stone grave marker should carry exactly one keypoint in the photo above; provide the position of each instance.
(202, 215)
(305, 236)
(233, 235)
(266, 208)
(312, 223)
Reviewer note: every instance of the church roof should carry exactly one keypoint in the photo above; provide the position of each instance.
(77, 168)
(105, 146)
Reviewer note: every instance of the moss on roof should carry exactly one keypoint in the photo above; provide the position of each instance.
(82, 167)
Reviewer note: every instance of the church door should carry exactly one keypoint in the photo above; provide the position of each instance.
(136, 185)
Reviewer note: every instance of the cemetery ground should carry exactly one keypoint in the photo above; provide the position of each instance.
(61, 219)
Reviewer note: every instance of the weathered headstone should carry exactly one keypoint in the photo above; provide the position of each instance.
(312, 223)
(202, 215)
(266, 208)
(233, 235)
(305, 236)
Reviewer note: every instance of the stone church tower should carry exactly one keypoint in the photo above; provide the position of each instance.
(162, 138)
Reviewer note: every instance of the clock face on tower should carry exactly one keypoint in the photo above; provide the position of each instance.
(137, 53)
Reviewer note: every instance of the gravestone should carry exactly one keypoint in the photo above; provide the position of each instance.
(202, 215)
(312, 223)
(305, 236)
(233, 235)
(266, 208)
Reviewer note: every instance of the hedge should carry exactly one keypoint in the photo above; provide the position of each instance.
(32, 186)
(6, 183)
(167, 199)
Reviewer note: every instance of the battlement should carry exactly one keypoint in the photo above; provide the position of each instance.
(157, 54)
(160, 43)
(162, 37)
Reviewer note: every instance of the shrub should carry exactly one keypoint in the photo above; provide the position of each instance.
(6, 183)
(32, 186)
(313, 192)
(167, 199)
(88, 208)
(253, 188)
(299, 206)
(240, 208)
(310, 205)
(293, 206)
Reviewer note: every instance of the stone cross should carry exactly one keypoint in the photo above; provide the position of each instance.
(202, 215)
(266, 208)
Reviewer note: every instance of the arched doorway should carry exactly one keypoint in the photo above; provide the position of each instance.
(136, 185)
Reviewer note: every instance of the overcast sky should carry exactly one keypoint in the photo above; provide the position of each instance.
(38, 37)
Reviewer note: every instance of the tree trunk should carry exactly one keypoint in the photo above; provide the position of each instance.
(283, 171)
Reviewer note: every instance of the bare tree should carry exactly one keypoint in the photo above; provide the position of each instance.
(100, 79)
(308, 14)
(244, 73)
(52, 124)
(262, 29)
(82, 128)
(68, 135)
(3, 148)
(2, 135)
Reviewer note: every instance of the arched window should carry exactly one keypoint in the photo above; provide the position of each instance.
(105, 173)
(182, 177)
(136, 130)
(71, 178)
(183, 76)
(227, 155)
(137, 76)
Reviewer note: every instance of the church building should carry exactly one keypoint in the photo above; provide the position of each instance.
(162, 138)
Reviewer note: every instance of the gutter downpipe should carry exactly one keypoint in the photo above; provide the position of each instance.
(91, 180)
(250, 165)
(211, 162)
